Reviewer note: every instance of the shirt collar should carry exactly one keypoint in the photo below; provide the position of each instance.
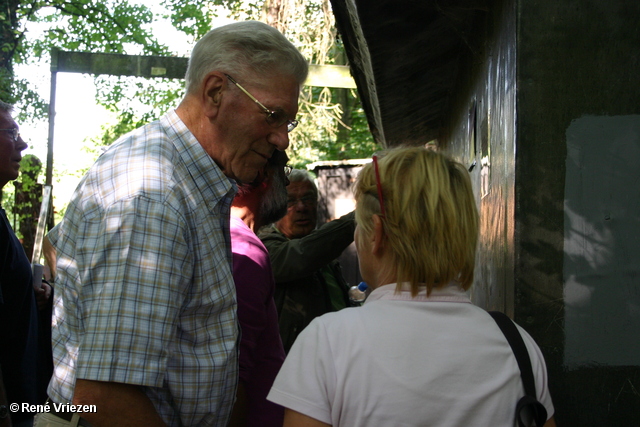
(207, 175)
(450, 293)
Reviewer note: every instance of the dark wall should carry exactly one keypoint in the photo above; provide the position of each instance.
(546, 114)
(481, 134)
(553, 108)
(578, 215)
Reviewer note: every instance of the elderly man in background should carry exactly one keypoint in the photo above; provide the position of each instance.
(145, 324)
(20, 373)
(261, 351)
(309, 279)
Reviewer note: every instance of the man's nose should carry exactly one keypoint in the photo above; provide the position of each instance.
(279, 138)
(301, 206)
(20, 144)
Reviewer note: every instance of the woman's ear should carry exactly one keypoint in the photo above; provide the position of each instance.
(377, 236)
(212, 88)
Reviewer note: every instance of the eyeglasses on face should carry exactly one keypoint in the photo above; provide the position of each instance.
(308, 200)
(275, 118)
(14, 132)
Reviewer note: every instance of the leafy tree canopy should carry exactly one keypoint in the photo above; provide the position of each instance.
(333, 126)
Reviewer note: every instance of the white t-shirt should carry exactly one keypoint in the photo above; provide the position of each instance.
(403, 361)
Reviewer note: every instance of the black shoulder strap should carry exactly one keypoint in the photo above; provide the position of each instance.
(519, 349)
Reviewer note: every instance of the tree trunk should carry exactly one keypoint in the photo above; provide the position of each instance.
(273, 14)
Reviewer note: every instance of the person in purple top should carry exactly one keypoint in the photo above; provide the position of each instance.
(261, 352)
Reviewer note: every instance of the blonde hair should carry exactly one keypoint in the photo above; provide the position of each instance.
(431, 220)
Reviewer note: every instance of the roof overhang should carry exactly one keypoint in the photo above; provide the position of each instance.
(406, 58)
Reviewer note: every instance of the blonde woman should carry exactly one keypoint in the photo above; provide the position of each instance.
(418, 352)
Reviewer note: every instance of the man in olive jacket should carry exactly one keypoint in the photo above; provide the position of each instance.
(308, 277)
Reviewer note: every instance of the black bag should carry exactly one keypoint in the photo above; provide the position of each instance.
(529, 403)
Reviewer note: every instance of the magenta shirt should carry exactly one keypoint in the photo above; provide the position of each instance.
(261, 350)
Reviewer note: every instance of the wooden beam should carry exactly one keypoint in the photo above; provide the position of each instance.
(172, 67)
(120, 65)
(338, 76)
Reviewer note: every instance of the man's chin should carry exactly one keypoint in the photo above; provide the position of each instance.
(302, 231)
(259, 179)
(249, 178)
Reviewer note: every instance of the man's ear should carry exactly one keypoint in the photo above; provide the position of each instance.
(213, 86)
(377, 236)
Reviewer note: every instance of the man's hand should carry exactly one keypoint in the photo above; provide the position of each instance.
(5, 417)
(42, 295)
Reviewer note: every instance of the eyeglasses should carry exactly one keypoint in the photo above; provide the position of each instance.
(308, 200)
(380, 198)
(287, 170)
(275, 118)
(14, 132)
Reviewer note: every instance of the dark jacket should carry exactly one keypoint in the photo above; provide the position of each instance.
(301, 290)
(18, 323)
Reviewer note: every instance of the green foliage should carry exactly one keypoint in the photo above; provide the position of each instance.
(30, 171)
(31, 105)
(333, 125)
(18, 208)
(94, 26)
(353, 141)
(8, 202)
(137, 101)
(359, 144)
(190, 16)
(115, 26)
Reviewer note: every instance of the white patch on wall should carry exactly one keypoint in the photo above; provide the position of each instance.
(601, 273)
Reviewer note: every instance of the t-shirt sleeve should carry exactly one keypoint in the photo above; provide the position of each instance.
(306, 383)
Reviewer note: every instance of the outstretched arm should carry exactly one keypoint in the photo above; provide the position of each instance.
(296, 258)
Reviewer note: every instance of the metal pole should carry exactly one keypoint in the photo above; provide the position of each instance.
(52, 114)
(42, 222)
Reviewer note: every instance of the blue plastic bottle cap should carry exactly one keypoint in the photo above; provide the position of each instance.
(362, 286)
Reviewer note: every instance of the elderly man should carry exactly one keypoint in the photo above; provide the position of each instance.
(22, 375)
(145, 324)
(261, 351)
(309, 279)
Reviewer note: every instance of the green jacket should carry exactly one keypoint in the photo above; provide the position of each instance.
(301, 289)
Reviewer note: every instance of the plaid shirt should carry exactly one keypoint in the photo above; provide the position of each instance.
(144, 293)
